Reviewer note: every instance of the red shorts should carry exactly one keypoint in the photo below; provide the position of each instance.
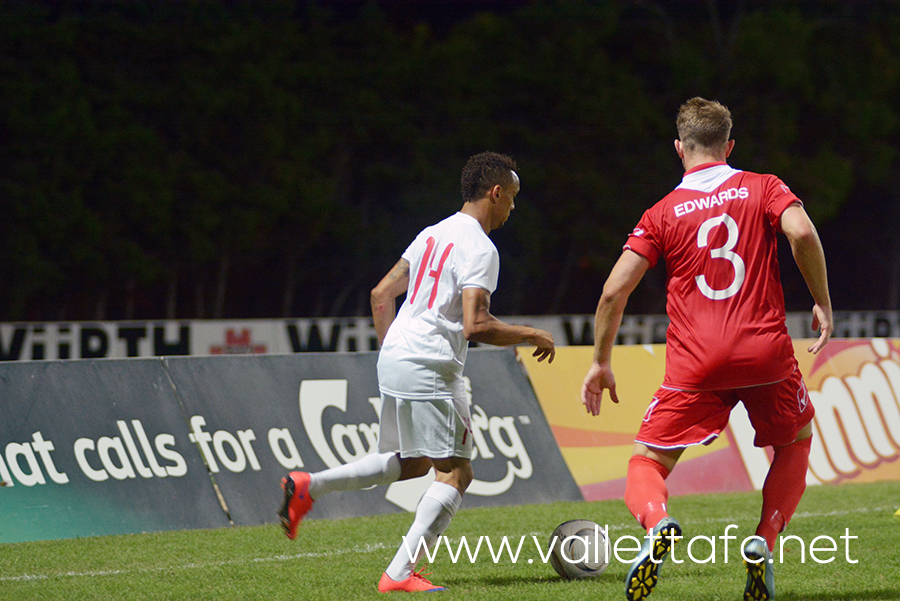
(679, 418)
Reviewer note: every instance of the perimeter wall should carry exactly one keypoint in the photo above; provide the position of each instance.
(135, 445)
(853, 384)
(112, 446)
(35, 341)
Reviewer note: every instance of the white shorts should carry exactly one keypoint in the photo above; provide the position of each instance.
(435, 428)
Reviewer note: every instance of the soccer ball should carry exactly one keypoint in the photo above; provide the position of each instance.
(579, 549)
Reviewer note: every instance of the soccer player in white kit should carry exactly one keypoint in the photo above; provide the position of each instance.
(448, 274)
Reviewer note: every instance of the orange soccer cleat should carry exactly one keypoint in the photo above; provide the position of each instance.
(415, 583)
(297, 502)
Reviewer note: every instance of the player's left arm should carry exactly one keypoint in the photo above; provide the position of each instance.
(810, 258)
(479, 325)
(384, 297)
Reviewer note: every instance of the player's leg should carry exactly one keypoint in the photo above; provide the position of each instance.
(646, 493)
(442, 432)
(782, 491)
(782, 415)
(675, 420)
(383, 467)
(784, 486)
(645, 496)
(433, 514)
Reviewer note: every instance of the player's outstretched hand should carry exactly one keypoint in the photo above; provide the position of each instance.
(543, 340)
(598, 378)
(822, 321)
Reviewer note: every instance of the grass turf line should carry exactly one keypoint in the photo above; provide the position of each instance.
(343, 559)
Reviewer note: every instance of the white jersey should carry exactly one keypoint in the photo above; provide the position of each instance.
(425, 349)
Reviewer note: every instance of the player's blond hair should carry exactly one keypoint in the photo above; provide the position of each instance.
(703, 123)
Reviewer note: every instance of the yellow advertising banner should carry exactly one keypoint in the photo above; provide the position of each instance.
(854, 385)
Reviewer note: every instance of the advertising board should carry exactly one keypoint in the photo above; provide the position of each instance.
(122, 446)
(854, 385)
(48, 341)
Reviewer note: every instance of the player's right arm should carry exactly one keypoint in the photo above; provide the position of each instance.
(622, 281)
(810, 258)
(384, 297)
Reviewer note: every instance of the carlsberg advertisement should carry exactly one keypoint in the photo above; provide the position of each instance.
(106, 446)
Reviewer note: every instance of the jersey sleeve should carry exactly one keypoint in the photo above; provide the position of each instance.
(410, 253)
(645, 239)
(778, 198)
(481, 270)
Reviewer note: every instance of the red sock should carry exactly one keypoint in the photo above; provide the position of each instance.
(645, 490)
(783, 488)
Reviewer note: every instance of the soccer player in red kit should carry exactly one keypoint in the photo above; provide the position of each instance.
(727, 341)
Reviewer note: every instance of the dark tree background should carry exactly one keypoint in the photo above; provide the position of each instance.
(205, 159)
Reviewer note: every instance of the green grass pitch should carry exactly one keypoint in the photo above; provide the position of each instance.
(344, 559)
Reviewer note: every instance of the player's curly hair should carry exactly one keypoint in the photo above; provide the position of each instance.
(484, 171)
(703, 123)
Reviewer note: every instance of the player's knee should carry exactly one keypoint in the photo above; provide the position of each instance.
(467, 474)
(456, 472)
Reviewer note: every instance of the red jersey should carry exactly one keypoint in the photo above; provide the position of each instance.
(717, 234)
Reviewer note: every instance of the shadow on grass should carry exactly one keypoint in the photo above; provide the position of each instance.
(513, 580)
(885, 594)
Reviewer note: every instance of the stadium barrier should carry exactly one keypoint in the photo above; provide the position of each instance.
(854, 386)
(35, 341)
(120, 446)
(136, 445)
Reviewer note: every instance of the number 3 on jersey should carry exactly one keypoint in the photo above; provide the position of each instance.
(723, 252)
(426, 263)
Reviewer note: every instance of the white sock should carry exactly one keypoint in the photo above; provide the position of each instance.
(376, 468)
(436, 508)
